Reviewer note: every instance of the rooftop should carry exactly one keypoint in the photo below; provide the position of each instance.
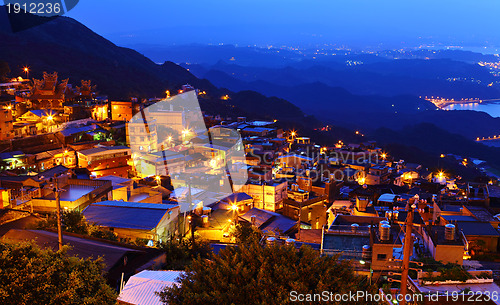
(142, 287)
(72, 192)
(437, 234)
(80, 246)
(477, 228)
(270, 221)
(130, 215)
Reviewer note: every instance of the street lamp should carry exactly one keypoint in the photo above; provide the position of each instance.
(234, 207)
(27, 71)
(185, 133)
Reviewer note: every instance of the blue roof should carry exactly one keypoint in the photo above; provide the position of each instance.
(477, 228)
(126, 216)
(10, 154)
(452, 218)
(130, 204)
(41, 112)
(70, 131)
(237, 197)
(270, 221)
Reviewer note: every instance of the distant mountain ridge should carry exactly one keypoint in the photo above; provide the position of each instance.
(68, 47)
(76, 52)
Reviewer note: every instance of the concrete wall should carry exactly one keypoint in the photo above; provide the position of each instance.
(381, 249)
(449, 254)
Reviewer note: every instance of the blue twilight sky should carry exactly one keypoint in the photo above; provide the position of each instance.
(294, 22)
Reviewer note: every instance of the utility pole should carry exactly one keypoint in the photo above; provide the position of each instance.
(300, 213)
(190, 200)
(58, 206)
(192, 230)
(406, 254)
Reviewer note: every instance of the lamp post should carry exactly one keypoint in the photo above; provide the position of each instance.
(58, 207)
(185, 134)
(27, 71)
(234, 207)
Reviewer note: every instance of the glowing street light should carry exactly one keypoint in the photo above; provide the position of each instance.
(234, 208)
(185, 133)
(383, 156)
(27, 71)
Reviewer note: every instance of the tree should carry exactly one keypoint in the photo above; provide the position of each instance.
(180, 251)
(75, 222)
(256, 274)
(246, 233)
(30, 275)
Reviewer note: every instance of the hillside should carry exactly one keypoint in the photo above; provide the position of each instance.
(76, 52)
(68, 47)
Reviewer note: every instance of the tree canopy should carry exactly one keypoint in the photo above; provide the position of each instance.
(30, 275)
(254, 274)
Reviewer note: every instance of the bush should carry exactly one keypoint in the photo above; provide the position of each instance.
(30, 275)
(256, 274)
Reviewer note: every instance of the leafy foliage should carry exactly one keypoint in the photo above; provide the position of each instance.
(256, 274)
(30, 275)
(75, 222)
(448, 271)
(246, 233)
(180, 252)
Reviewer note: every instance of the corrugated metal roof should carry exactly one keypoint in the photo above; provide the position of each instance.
(103, 150)
(114, 179)
(124, 217)
(141, 288)
(73, 130)
(270, 221)
(237, 197)
(131, 204)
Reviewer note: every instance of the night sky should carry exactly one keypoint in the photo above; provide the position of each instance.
(293, 22)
